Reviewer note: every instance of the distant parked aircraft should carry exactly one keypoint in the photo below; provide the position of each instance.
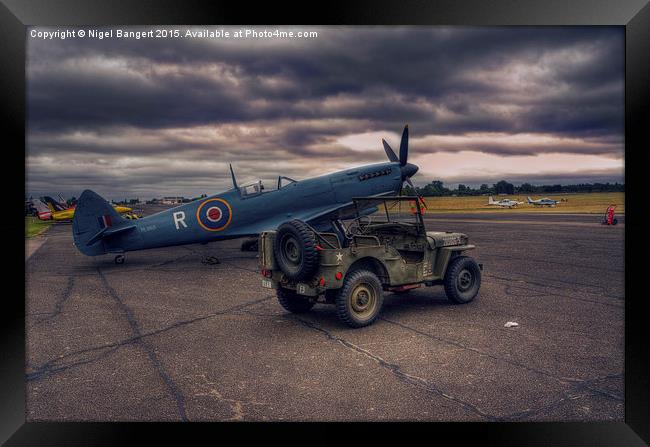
(544, 202)
(43, 212)
(55, 204)
(505, 203)
(50, 209)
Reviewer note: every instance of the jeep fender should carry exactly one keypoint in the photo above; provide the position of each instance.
(444, 256)
(373, 265)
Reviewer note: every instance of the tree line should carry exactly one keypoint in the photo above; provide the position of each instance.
(437, 188)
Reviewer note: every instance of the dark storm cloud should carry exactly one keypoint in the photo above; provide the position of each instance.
(287, 100)
(158, 83)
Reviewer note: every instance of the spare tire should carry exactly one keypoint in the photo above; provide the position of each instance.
(295, 250)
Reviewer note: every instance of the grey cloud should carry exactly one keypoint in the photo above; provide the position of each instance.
(293, 100)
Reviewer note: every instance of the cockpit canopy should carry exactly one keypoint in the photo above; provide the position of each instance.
(287, 181)
(255, 188)
(252, 189)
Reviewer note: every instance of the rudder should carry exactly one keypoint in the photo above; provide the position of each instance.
(92, 215)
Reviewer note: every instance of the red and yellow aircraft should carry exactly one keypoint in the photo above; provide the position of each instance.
(48, 211)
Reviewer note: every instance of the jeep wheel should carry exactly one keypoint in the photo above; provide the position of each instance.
(295, 250)
(293, 302)
(462, 280)
(360, 299)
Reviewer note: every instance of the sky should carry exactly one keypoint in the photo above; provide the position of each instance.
(156, 117)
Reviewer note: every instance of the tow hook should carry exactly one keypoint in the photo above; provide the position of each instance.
(480, 266)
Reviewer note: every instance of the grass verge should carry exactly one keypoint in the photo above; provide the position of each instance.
(34, 227)
(587, 203)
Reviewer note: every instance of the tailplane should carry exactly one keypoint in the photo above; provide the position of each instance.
(93, 218)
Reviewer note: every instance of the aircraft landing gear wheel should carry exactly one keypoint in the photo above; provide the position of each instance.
(119, 259)
(462, 280)
(360, 300)
(293, 302)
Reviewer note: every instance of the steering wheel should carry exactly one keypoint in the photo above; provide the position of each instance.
(358, 225)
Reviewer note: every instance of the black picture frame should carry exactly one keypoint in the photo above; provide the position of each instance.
(634, 15)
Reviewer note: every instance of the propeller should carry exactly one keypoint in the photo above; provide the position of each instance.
(404, 146)
(408, 169)
(420, 198)
(389, 151)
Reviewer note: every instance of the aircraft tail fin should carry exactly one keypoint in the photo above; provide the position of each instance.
(44, 212)
(93, 217)
(530, 200)
(63, 202)
(490, 200)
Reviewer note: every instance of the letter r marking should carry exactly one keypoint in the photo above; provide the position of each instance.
(179, 218)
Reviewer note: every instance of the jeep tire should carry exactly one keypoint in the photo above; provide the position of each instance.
(360, 300)
(462, 280)
(295, 250)
(293, 302)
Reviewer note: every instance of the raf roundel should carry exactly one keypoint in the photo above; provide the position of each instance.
(214, 214)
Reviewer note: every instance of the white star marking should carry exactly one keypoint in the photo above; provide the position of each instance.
(339, 257)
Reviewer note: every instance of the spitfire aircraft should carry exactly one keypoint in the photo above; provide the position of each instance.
(544, 202)
(242, 211)
(506, 203)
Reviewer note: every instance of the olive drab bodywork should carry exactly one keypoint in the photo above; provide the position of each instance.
(400, 255)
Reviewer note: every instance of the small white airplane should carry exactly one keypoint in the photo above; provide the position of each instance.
(544, 202)
(506, 203)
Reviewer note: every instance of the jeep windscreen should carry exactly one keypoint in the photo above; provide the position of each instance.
(388, 210)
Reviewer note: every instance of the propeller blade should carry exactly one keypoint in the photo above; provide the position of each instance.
(408, 180)
(389, 151)
(404, 146)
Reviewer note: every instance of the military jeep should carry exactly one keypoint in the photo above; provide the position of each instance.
(384, 247)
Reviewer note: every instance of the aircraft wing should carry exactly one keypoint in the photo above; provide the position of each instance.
(311, 215)
(345, 211)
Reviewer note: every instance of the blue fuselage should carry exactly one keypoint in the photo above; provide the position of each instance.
(234, 214)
